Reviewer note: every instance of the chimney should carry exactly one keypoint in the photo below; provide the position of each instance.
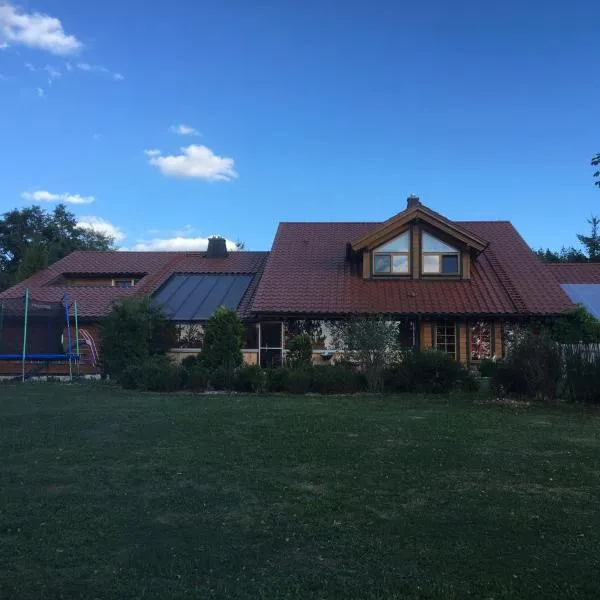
(412, 201)
(217, 248)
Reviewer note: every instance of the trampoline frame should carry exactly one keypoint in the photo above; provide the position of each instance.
(50, 357)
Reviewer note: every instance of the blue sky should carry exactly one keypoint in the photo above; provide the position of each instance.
(312, 110)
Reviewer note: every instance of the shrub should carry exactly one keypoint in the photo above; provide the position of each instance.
(134, 330)
(487, 367)
(337, 379)
(299, 351)
(581, 376)
(433, 372)
(299, 381)
(222, 349)
(191, 361)
(533, 369)
(277, 380)
(155, 374)
(369, 342)
(397, 379)
(249, 378)
(219, 379)
(196, 378)
(469, 382)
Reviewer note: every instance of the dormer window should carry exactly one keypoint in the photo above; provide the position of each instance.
(393, 257)
(438, 257)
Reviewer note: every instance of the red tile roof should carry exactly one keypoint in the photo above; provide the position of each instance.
(157, 267)
(307, 273)
(575, 272)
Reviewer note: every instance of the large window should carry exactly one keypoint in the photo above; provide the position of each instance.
(439, 258)
(393, 258)
(481, 341)
(444, 337)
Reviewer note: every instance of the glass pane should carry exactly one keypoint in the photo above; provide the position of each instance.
(450, 263)
(251, 337)
(432, 244)
(399, 244)
(481, 341)
(431, 263)
(382, 263)
(400, 263)
(270, 335)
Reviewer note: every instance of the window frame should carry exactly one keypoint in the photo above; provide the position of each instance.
(117, 280)
(440, 254)
(391, 254)
(444, 343)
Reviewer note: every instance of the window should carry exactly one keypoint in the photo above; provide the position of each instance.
(189, 335)
(251, 336)
(439, 258)
(393, 257)
(124, 283)
(481, 341)
(444, 338)
(407, 333)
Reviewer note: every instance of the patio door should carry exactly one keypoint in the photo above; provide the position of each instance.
(271, 344)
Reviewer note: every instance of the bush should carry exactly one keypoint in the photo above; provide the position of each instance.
(581, 376)
(397, 379)
(222, 349)
(299, 381)
(469, 382)
(155, 374)
(196, 378)
(299, 351)
(133, 331)
(433, 372)
(277, 380)
(219, 379)
(487, 367)
(249, 378)
(337, 379)
(533, 369)
(189, 362)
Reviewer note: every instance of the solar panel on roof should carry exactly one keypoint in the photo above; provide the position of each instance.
(195, 297)
(587, 294)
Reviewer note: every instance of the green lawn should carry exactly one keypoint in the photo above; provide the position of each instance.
(111, 494)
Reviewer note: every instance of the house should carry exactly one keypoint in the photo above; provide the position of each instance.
(453, 286)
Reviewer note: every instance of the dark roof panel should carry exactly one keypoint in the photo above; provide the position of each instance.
(587, 294)
(194, 297)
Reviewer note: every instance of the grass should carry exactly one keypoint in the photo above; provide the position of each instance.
(110, 494)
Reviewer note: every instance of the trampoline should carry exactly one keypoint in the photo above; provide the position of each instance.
(39, 332)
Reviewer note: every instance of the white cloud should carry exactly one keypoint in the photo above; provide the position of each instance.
(84, 66)
(30, 67)
(45, 196)
(183, 130)
(97, 137)
(35, 30)
(152, 152)
(68, 66)
(101, 226)
(197, 162)
(179, 243)
(52, 72)
(40, 92)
